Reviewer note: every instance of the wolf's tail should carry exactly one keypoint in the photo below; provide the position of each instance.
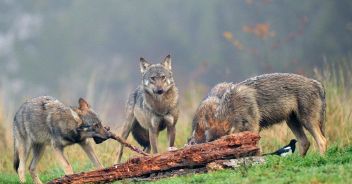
(16, 158)
(323, 110)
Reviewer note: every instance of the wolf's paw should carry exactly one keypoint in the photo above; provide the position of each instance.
(171, 149)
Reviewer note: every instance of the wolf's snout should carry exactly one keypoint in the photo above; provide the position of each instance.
(191, 141)
(159, 91)
(99, 139)
(102, 136)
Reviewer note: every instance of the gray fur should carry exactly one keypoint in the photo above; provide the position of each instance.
(45, 120)
(262, 101)
(152, 107)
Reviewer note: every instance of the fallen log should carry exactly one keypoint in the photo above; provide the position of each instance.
(210, 167)
(235, 163)
(228, 147)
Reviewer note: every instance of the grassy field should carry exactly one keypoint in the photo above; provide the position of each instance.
(334, 167)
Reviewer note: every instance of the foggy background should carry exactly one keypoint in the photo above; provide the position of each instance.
(87, 48)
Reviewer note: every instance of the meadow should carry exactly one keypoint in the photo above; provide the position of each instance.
(333, 167)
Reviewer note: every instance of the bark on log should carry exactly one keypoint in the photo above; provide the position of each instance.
(227, 147)
(235, 163)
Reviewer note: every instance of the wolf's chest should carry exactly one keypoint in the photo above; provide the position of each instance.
(145, 116)
(142, 116)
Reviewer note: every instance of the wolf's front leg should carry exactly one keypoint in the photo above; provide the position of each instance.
(126, 129)
(153, 134)
(91, 154)
(59, 152)
(171, 131)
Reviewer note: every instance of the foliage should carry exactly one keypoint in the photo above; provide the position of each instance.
(47, 45)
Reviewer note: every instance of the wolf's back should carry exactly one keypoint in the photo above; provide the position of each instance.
(278, 94)
(29, 123)
(34, 117)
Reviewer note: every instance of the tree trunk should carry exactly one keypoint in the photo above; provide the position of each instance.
(231, 146)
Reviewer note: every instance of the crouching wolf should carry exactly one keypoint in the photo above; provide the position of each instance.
(44, 120)
(152, 107)
(260, 102)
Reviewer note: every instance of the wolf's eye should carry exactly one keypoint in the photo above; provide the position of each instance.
(153, 78)
(162, 77)
(96, 125)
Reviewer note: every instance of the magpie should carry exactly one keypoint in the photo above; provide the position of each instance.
(286, 150)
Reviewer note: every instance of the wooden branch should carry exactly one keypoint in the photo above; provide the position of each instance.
(227, 147)
(122, 141)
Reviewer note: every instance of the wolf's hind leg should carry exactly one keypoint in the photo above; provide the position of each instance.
(297, 129)
(38, 150)
(23, 153)
(312, 125)
(312, 118)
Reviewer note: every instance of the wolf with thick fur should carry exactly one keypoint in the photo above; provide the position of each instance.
(260, 102)
(152, 107)
(45, 120)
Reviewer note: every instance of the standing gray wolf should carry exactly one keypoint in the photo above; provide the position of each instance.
(44, 120)
(152, 107)
(260, 102)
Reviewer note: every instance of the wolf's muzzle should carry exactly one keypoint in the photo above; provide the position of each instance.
(98, 140)
(159, 91)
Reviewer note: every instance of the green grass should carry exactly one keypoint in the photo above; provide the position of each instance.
(46, 175)
(334, 167)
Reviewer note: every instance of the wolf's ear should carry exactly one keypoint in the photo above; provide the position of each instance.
(167, 62)
(76, 117)
(143, 64)
(83, 104)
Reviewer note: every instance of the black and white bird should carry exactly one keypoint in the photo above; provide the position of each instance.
(286, 150)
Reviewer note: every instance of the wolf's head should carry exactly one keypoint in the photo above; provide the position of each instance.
(91, 125)
(157, 78)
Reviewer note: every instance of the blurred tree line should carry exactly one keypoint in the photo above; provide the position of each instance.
(58, 47)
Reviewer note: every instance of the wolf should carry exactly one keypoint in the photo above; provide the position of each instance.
(152, 107)
(45, 120)
(260, 102)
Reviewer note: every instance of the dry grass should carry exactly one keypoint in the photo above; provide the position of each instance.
(338, 126)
